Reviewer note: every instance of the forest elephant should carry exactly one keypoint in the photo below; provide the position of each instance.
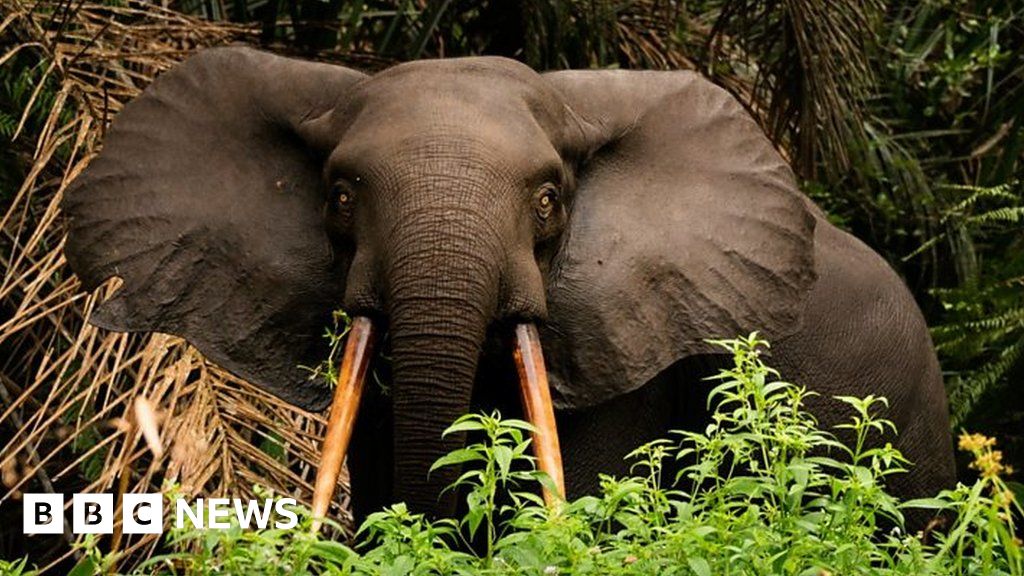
(465, 209)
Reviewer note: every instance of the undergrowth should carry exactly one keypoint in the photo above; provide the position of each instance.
(762, 490)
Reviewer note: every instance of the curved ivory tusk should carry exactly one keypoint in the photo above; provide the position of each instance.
(354, 365)
(533, 386)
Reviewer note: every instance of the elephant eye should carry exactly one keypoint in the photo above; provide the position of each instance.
(342, 194)
(545, 201)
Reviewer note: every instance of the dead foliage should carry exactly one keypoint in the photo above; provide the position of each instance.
(87, 410)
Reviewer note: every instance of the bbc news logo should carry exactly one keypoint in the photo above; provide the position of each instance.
(144, 513)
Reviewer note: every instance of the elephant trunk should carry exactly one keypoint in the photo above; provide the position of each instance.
(442, 297)
(442, 281)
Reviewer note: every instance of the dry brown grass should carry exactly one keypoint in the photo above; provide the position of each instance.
(69, 389)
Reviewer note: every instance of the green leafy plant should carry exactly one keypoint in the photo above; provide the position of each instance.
(762, 490)
(502, 445)
(16, 568)
(327, 370)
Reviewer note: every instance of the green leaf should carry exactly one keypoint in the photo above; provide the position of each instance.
(460, 456)
(332, 551)
(503, 457)
(400, 567)
(85, 567)
(926, 504)
(519, 424)
(474, 516)
(467, 423)
(699, 566)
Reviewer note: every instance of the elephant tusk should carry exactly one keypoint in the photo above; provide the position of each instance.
(536, 396)
(342, 418)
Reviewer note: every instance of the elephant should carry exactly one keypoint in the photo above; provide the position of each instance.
(622, 217)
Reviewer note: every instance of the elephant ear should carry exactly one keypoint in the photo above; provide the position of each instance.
(686, 224)
(207, 200)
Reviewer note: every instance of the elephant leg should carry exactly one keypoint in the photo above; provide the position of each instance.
(371, 456)
(596, 440)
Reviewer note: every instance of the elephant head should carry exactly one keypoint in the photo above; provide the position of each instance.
(630, 215)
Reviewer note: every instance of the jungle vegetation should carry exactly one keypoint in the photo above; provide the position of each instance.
(901, 118)
(757, 492)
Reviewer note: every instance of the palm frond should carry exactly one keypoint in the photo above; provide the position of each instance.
(809, 61)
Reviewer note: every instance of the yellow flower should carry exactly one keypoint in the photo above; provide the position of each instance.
(975, 442)
(989, 463)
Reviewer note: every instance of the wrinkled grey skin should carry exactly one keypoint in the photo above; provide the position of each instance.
(244, 196)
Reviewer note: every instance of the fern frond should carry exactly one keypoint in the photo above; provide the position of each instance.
(1005, 215)
(966, 392)
(1012, 319)
(978, 193)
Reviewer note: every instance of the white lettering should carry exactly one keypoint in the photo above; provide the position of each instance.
(282, 508)
(196, 518)
(92, 514)
(142, 513)
(253, 510)
(43, 514)
(218, 508)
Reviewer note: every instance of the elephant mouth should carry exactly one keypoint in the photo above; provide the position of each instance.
(534, 393)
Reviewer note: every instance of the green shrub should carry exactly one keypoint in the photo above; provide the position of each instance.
(762, 490)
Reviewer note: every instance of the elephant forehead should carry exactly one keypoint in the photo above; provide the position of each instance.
(494, 94)
(445, 140)
(477, 76)
(429, 86)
